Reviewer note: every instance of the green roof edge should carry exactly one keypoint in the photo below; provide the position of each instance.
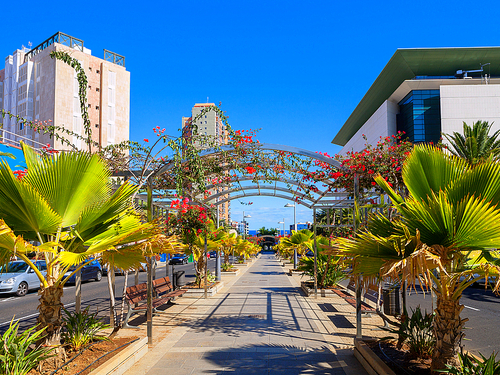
(406, 63)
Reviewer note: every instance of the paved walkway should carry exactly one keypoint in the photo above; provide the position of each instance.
(259, 324)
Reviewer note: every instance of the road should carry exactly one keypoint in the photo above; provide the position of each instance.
(482, 308)
(94, 294)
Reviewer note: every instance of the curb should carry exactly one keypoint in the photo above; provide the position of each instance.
(124, 360)
(371, 362)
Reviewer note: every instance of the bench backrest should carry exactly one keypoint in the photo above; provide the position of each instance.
(136, 293)
(160, 282)
(164, 281)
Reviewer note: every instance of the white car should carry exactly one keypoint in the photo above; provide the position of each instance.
(17, 277)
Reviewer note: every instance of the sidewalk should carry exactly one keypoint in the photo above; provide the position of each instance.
(259, 323)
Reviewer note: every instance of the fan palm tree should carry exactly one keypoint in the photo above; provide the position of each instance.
(196, 248)
(298, 240)
(225, 241)
(66, 205)
(450, 215)
(475, 144)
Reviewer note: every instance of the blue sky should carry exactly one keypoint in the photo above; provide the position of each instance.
(295, 69)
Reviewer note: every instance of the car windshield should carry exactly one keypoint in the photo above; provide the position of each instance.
(178, 255)
(15, 267)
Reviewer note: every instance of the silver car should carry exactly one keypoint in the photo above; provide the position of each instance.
(17, 277)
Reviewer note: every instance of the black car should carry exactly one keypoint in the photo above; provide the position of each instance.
(91, 271)
(213, 254)
(178, 259)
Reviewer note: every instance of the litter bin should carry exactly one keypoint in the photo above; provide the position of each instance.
(390, 296)
(179, 279)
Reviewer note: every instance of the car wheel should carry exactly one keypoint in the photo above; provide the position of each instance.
(98, 276)
(22, 289)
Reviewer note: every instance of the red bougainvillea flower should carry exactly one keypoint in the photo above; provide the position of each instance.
(250, 170)
(146, 140)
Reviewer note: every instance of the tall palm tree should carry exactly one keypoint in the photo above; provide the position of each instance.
(65, 204)
(475, 144)
(450, 214)
(298, 240)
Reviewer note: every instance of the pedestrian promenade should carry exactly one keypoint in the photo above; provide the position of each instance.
(259, 324)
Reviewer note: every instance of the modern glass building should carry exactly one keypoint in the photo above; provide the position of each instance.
(426, 92)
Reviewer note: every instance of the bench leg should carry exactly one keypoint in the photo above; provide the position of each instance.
(125, 323)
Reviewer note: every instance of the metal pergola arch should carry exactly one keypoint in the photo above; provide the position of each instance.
(319, 203)
(263, 147)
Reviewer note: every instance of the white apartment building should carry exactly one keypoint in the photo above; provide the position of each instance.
(37, 87)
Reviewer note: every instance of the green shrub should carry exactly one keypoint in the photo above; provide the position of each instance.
(16, 357)
(417, 332)
(226, 266)
(471, 366)
(210, 278)
(329, 269)
(82, 328)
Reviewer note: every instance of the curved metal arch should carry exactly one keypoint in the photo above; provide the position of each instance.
(263, 194)
(262, 146)
(258, 187)
(284, 180)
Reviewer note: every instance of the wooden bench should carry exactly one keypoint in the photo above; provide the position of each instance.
(371, 294)
(136, 297)
(163, 287)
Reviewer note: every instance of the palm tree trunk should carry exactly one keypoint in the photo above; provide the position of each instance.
(326, 271)
(50, 318)
(448, 332)
(200, 269)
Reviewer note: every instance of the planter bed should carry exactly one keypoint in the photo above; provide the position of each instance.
(369, 360)
(117, 357)
(293, 272)
(240, 265)
(308, 288)
(232, 272)
(387, 359)
(194, 292)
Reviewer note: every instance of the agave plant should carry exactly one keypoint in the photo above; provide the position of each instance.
(469, 365)
(81, 328)
(451, 210)
(19, 353)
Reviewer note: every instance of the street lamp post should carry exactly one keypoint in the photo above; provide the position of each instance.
(295, 255)
(282, 222)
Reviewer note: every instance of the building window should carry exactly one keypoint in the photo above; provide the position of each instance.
(420, 116)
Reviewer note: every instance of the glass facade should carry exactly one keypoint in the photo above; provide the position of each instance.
(420, 116)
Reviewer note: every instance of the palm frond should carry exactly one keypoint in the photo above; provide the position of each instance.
(23, 208)
(70, 182)
(428, 170)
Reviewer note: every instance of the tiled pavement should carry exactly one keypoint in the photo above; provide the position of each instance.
(260, 324)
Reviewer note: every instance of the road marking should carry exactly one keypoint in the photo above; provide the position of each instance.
(8, 299)
(31, 316)
(472, 308)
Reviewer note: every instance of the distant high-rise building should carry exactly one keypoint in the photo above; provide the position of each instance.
(37, 87)
(210, 124)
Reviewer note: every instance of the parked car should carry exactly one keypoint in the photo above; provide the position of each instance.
(18, 277)
(119, 272)
(212, 254)
(91, 271)
(179, 259)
